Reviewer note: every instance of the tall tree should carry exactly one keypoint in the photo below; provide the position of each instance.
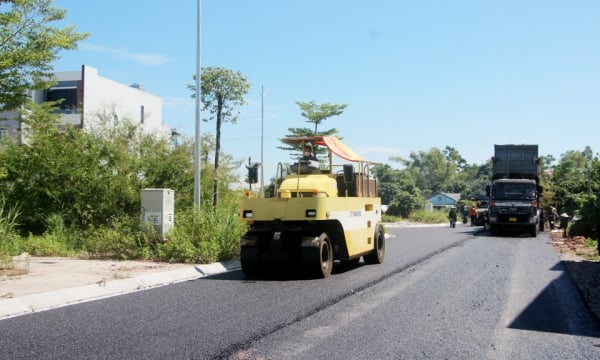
(221, 91)
(314, 114)
(317, 113)
(28, 45)
(454, 157)
(575, 184)
(572, 179)
(547, 162)
(431, 170)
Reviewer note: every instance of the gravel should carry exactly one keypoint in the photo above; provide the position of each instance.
(585, 272)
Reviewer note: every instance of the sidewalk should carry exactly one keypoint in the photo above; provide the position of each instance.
(41, 283)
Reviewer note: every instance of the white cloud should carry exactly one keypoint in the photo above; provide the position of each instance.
(146, 59)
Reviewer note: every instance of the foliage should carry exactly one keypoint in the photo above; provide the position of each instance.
(211, 234)
(405, 203)
(587, 222)
(390, 218)
(432, 170)
(387, 192)
(571, 179)
(221, 91)
(46, 245)
(91, 177)
(471, 180)
(29, 43)
(389, 184)
(397, 189)
(8, 218)
(315, 114)
(84, 178)
(593, 244)
(429, 217)
(575, 188)
(9, 239)
(79, 193)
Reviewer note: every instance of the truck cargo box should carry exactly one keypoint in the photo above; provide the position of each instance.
(516, 162)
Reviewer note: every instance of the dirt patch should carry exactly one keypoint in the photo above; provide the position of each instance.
(31, 275)
(585, 273)
(13, 272)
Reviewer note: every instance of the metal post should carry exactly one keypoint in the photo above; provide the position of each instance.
(197, 188)
(249, 180)
(262, 167)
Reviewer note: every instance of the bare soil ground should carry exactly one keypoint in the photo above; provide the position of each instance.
(26, 275)
(585, 273)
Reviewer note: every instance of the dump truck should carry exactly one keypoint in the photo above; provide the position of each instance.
(515, 190)
(320, 212)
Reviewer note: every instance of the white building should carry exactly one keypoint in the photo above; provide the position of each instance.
(88, 98)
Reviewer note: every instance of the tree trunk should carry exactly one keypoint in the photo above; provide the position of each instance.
(217, 152)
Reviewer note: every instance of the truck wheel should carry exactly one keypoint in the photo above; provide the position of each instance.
(318, 261)
(377, 255)
(250, 261)
(534, 230)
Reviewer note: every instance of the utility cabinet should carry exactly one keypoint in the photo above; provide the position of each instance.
(158, 209)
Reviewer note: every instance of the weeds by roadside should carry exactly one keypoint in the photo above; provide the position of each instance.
(203, 236)
(420, 216)
(587, 248)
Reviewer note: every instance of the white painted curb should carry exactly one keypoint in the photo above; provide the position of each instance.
(53, 299)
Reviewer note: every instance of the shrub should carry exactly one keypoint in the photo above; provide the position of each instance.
(586, 222)
(121, 239)
(46, 245)
(390, 218)
(429, 217)
(10, 245)
(8, 218)
(204, 236)
(9, 240)
(404, 204)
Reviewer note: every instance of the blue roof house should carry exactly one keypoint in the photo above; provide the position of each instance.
(443, 200)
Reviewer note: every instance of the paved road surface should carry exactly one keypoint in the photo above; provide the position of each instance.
(441, 293)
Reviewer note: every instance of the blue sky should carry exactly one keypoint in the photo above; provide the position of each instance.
(415, 74)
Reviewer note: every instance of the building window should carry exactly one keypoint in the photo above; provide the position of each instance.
(69, 96)
(142, 114)
(3, 132)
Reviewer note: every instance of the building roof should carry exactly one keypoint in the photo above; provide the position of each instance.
(442, 199)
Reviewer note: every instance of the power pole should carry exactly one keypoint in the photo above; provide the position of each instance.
(197, 188)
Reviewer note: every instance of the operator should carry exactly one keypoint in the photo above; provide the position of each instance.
(307, 163)
(308, 155)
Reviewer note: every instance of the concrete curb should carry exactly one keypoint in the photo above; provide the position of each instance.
(28, 304)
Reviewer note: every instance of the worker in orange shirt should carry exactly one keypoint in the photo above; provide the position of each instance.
(472, 215)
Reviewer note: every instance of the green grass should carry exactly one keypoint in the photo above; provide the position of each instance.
(198, 237)
(429, 217)
(420, 216)
(592, 244)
